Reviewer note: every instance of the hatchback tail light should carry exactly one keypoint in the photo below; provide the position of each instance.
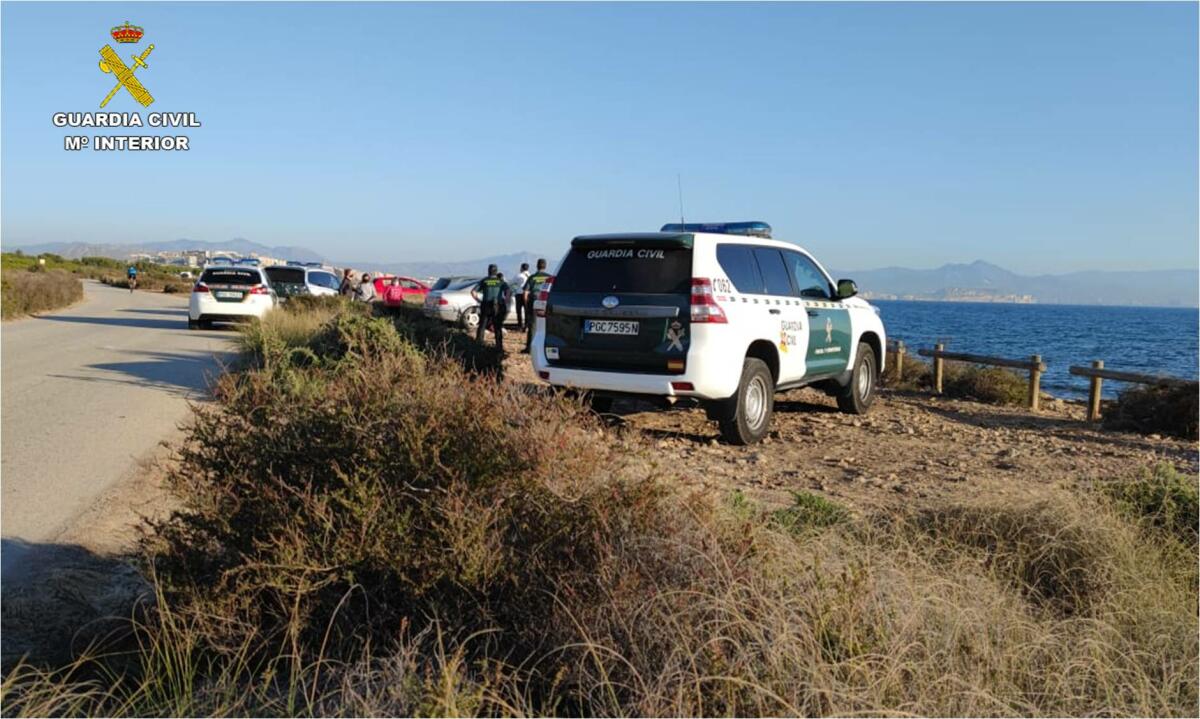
(260, 290)
(200, 287)
(539, 305)
(704, 305)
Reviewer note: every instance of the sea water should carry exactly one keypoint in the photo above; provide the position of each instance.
(1153, 340)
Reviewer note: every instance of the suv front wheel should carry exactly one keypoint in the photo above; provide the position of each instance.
(856, 397)
(744, 417)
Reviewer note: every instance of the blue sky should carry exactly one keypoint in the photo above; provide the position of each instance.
(1041, 137)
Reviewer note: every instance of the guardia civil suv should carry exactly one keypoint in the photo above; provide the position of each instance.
(719, 313)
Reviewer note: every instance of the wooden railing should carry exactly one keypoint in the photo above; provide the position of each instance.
(1098, 374)
(1033, 365)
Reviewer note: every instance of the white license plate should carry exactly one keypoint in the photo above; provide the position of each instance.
(610, 327)
(228, 295)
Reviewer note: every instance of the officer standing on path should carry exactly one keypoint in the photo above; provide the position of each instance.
(531, 292)
(492, 295)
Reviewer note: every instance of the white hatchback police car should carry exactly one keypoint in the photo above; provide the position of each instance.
(720, 313)
(230, 293)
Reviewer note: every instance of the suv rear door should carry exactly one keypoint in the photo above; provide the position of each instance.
(622, 303)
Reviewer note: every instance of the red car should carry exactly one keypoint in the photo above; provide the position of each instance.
(408, 291)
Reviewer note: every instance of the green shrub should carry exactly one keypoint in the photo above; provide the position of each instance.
(1163, 498)
(810, 511)
(1160, 409)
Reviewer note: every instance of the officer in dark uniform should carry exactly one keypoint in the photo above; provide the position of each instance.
(492, 295)
(531, 294)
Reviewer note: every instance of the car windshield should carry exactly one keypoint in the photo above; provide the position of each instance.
(626, 269)
(231, 276)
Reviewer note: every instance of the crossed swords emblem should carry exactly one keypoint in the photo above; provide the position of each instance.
(125, 78)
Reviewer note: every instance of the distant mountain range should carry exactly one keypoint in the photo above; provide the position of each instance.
(986, 282)
(977, 281)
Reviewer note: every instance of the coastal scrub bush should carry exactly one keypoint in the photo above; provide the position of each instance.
(24, 293)
(990, 385)
(1156, 409)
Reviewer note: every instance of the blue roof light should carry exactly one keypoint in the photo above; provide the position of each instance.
(752, 229)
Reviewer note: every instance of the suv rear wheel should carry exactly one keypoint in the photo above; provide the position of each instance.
(744, 417)
(856, 397)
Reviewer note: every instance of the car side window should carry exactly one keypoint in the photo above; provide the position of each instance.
(774, 272)
(408, 284)
(738, 263)
(809, 280)
(324, 279)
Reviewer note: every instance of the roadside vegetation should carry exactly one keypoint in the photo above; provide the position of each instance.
(151, 276)
(372, 523)
(28, 292)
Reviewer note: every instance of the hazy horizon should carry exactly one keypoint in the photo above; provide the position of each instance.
(1042, 138)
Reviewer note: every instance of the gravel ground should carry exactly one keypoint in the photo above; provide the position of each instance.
(909, 448)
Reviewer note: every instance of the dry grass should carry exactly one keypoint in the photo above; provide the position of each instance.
(370, 530)
(27, 292)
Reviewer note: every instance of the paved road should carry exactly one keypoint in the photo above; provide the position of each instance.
(86, 391)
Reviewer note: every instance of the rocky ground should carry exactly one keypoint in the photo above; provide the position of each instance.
(909, 448)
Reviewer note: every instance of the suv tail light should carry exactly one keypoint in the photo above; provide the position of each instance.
(539, 305)
(704, 305)
(260, 290)
(200, 287)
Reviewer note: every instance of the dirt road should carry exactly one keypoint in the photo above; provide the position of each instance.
(88, 392)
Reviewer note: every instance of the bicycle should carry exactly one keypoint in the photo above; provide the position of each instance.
(132, 284)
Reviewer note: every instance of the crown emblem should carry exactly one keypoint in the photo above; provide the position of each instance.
(127, 33)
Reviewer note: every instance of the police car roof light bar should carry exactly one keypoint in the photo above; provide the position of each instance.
(750, 229)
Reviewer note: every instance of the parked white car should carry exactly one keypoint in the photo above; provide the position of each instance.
(230, 293)
(450, 300)
(721, 314)
(290, 280)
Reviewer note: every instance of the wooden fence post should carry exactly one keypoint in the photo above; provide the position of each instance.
(1035, 382)
(899, 360)
(937, 367)
(1094, 396)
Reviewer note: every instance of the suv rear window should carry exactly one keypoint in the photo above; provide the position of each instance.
(285, 275)
(646, 270)
(230, 276)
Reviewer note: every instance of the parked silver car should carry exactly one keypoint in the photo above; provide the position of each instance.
(450, 301)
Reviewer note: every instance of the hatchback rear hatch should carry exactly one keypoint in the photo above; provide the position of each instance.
(231, 284)
(621, 303)
(287, 281)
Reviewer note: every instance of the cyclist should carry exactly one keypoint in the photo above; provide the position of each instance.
(131, 275)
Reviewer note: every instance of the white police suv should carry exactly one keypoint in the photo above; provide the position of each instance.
(720, 313)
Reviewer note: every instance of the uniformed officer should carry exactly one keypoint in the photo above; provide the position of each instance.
(492, 295)
(531, 293)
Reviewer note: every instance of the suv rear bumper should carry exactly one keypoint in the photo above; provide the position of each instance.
(702, 375)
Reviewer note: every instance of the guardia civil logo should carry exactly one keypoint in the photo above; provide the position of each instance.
(111, 63)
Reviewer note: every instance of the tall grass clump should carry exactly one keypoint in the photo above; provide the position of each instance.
(369, 528)
(26, 292)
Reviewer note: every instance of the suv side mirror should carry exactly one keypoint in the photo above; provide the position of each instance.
(846, 289)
